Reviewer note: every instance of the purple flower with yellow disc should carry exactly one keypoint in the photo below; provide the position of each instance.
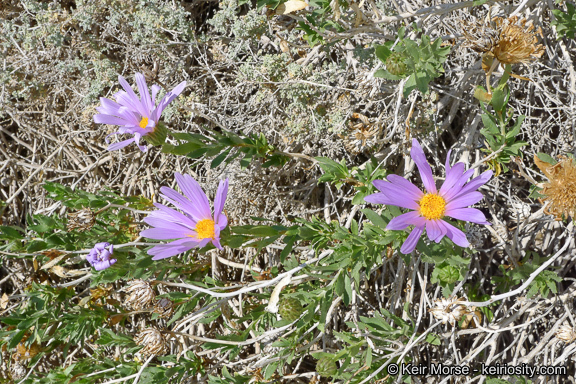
(428, 209)
(100, 257)
(135, 116)
(195, 226)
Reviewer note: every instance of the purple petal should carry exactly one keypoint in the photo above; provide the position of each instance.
(400, 201)
(172, 215)
(475, 183)
(101, 265)
(133, 99)
(144, 93)
(164, 233)
(107, 119)
(183, 203)
(216, 243)
(137, 137)
(456, 188)
(162, 251)
(419, 158)
(406, 219)
(222, 221)
(454, 234)
(220, 199)
(195, 194)
(216, 239)
(170, 219)
(204, 242)
(122, 144)
(412, 240)
(464, 200)
(155, 90)
(452, 177)
(396, 192)
(472, 215)
(410, 189)
(434, 230)
(109, 107)
(167, 99)
(448, 162)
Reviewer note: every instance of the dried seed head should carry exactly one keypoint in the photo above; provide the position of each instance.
(153, 341)
(141, 295)
(164, 308)
(560, 190)
(566, 333)
(362, 135)
(478, 36)
(82, 220)
(505, 39)
(516, 43)
(449, 310)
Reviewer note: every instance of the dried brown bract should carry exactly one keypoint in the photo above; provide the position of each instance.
(517, 43)
(510, 40)
(479, 37)
(141, 295)
(82, 220)
(560, 190)
(164, 308)
(153, 341)
(449, 310)
(362, 135)
(26, 352)
(566, 334)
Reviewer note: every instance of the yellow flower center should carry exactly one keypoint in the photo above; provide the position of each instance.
(205, 229)
(432, 206)
(143, 122)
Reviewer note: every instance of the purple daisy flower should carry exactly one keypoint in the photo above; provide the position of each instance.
(135, 116)
(100, 257)
(195, 227)
(429, 208)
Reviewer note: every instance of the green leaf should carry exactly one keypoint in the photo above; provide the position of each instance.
(11, 232)
(255, 230)
(382, 52)
(219, 159)
(546, 158)
(516, 128)
(409, 86)
(433, 339)
(36, 245)
(490, 124)
(384, 74)
(375, 218)
(498, 99)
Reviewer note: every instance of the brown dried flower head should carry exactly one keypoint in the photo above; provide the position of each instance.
(566, 333)
(153, 341)
(164, 308)
(141, 295)
(361, 136)
(516, 43)
(479, 36)
(560, 190)
(449, 310)
(507, 40)
(82, 220)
